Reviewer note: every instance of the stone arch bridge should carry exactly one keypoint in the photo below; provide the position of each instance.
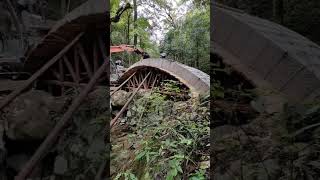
(267, 53)
(193, 79)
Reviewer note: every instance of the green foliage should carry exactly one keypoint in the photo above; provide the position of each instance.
(168, 138)
(171, 86)
(127, 176)
(217, 91)
(198, 175)
(189, 42)
(187, 39)
(123, 31)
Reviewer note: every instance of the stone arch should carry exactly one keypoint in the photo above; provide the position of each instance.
(267, 53)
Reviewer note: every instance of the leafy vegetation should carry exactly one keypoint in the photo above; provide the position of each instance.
(123, 32)
(160, 26)
(168, 139)
(189, 41)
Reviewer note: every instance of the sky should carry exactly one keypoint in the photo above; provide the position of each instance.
(158, 33)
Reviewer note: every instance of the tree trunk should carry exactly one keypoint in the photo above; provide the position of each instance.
(63, 7)
(278, 8)
(135, 17)
(128, 30)
(197, 55)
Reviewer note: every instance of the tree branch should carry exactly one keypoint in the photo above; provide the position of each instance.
(120, 11)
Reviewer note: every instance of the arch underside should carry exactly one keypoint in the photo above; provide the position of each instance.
(88, 17)
(75, 47)
(197, 81)
(267, 54)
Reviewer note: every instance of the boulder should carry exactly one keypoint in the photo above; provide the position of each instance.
(98, 101)
(119, 98)
(29, 115)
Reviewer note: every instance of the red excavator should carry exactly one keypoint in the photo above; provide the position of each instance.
(125, 48)
(128, 48)
(118, 68)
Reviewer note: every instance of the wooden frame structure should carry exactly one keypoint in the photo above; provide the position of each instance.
(76, 67)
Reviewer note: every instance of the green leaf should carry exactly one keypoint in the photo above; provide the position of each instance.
(140, 155)
(186, 141)
(171, 174)
(198, 175)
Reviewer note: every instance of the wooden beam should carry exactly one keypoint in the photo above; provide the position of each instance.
(61, 70)
(145, 84)
(70, 69)
(122, 84)
(43, 69)
(131, 83)
(154, 81)
(136, 80)
(64, 83)
(84, 59)
(95, 56)
(114, 120)
(150, 78)
(77, 63)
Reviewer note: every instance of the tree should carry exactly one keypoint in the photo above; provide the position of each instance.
(189, 41)
(135, 16)
(278, 8)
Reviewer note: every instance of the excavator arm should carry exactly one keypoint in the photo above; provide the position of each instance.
(125, 48)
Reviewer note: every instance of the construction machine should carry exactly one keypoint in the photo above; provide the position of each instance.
(118, 66)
